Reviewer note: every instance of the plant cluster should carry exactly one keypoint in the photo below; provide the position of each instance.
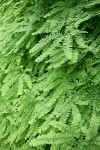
(49, 74)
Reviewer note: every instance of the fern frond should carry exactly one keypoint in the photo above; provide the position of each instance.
(67, 45)
(94, 125)
(50, 138)
(20, 85)
(28, 80)
(44, 42)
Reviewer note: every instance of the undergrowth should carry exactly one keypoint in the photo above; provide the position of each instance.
(49, 75)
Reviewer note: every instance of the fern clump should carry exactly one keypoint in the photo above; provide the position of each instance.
(49, 73)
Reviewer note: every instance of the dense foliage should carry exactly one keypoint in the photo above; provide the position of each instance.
(49, 74)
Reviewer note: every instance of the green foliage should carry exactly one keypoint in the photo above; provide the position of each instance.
(49, 75)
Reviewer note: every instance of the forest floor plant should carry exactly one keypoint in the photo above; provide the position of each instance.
(49, 74)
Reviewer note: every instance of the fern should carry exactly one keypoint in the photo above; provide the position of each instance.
(50, 139)
(94, 125)
(28, 81)
(49, 75)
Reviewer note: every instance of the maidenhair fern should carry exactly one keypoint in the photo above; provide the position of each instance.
(49, 75)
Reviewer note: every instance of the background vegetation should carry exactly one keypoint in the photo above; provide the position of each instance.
(49, 74)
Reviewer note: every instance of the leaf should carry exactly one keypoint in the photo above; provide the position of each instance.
(67, 47)
(96, 79)
(51, 138)
(94, 126)
(20, 85)
(76, 115)
(74, 58)
(28, 80)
